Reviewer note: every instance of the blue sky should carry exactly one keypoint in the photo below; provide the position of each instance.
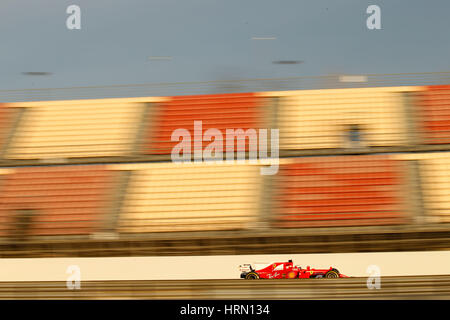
(212, 40)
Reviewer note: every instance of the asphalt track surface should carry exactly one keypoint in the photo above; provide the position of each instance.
(391, 264)
(409, 287)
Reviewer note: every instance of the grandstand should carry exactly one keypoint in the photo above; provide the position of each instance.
(361, 169)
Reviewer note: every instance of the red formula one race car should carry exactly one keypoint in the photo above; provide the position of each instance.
(286, 270)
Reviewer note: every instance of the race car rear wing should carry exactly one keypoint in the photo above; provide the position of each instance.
(245, 267)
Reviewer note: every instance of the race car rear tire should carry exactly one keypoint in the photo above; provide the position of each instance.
(332, 274)
(252, 276)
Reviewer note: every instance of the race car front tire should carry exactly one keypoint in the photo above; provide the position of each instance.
(332, 274)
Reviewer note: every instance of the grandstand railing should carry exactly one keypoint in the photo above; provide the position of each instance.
(227, 86)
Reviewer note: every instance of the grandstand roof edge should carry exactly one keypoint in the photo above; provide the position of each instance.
(87, 101)
(306, 91)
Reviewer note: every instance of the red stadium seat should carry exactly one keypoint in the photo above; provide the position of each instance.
(220, 111)
(62, 200)
(434, 110)
(340, 191)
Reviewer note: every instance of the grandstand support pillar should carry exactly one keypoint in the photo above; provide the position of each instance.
(413, 193)
(267, 190)
(412, 119)
(143, 129)
(112, 220)
(17, 117)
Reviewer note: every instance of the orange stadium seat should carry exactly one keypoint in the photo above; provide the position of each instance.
(165, 197)
(322, 119)
(220, 111)
(340, 191)
(434, 110)
(77, 128)
(62, 200)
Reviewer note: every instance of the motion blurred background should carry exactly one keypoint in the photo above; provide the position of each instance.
(86, 172)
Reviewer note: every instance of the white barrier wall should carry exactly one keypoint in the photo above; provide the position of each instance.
(219, 267)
